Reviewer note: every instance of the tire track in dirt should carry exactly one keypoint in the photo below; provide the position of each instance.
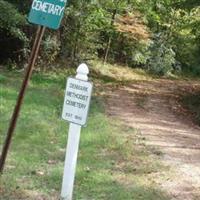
(148, 106)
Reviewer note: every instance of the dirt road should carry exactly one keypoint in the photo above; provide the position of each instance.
(151, 106)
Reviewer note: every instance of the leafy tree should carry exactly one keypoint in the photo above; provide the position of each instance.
(122, 31)
(162, 57)
(179, 20)
(13, 39)
(81, 30)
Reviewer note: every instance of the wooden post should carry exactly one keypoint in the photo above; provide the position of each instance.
(72, 147)
(70, 161)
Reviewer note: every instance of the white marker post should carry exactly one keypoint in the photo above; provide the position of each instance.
(75, 110)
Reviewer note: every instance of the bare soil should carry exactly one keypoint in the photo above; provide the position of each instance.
(153, 108)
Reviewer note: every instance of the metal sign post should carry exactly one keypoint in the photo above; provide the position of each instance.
(45, 13)
(13, 122)
(75, 110)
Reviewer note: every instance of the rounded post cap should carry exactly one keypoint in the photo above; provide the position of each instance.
(82, 72)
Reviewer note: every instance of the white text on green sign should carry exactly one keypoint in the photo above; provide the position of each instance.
(47, 12)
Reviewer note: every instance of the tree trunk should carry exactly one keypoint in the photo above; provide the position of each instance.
(110, 37)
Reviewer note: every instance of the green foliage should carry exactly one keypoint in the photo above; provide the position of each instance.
(162, 56)
(50, 50)
(11, 20)
(81, 29)
(132, 52)
(2, 78)
(89, 31)
(109, 30)
(22, 7)
(180, 21)
(187, 4)
(14, 41)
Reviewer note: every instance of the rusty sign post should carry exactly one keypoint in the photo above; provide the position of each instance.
(13, 122)
(45, 13)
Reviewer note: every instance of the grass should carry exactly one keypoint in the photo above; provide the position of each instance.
(111, 166)
(116, 74)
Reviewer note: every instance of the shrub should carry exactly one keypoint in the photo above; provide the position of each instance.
(51, 49)
(13, 39)
(162, 57)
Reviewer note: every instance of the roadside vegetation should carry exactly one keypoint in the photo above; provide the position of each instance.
(113, 161)
(161, 37)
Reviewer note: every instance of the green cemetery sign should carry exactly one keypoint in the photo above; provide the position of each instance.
(47, 13)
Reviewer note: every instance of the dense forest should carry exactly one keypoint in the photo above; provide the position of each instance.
(161, 36)
(142, 136)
